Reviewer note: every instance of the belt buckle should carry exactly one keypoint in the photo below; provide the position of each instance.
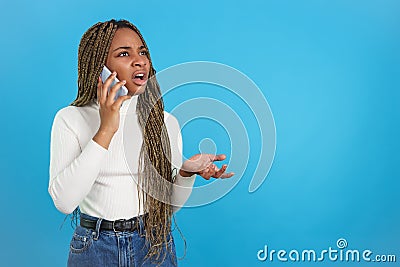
(116, 221)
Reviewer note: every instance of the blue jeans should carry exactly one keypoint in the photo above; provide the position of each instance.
(103, 248)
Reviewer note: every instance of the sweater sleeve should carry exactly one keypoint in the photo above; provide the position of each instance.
(183, 185)
(73, 169)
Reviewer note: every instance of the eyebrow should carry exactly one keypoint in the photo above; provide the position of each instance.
(128, 47)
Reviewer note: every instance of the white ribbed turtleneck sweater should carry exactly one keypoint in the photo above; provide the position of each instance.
(100, 181)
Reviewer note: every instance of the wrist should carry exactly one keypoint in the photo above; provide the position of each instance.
(103, 138)
(105, 132)
(185, 173)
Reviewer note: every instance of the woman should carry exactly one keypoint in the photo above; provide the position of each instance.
(124, 221)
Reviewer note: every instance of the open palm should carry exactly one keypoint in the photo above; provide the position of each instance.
(203, 165)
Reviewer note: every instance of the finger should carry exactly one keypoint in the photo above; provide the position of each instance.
(212, 170)
(113, 92)
(227, 175)
(217, 157)
(205, 175)
(215, 169)
(220, 171)
(106, 85)
(205, 170)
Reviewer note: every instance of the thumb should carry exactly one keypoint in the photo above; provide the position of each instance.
(219, 157)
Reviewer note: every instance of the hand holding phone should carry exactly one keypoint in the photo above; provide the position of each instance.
(109, 114)
(121, 91)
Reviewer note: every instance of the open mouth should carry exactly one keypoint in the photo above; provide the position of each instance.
(139, 78)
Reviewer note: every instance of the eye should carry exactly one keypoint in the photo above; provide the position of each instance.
(143, 53)
(123, 54)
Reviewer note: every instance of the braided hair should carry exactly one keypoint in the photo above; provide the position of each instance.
(155, 171)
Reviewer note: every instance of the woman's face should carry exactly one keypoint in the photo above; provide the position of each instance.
(128, 57)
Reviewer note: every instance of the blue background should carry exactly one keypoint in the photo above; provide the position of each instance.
(330, 71)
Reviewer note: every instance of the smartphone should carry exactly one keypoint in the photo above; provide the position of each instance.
(121, 91)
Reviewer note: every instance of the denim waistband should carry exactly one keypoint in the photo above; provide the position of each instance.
(98, 221)
(89, 217)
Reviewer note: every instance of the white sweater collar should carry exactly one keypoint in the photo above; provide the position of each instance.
(127, 107)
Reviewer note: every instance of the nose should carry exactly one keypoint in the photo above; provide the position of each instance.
(139, 61)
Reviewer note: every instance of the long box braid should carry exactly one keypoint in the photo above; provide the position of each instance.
(155, 171)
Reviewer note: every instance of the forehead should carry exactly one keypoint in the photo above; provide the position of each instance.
(126, 37)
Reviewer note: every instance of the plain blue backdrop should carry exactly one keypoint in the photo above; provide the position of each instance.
(330, 71)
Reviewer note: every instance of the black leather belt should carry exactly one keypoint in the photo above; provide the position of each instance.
(116, 226)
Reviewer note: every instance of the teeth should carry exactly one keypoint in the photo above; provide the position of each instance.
(139, 75)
